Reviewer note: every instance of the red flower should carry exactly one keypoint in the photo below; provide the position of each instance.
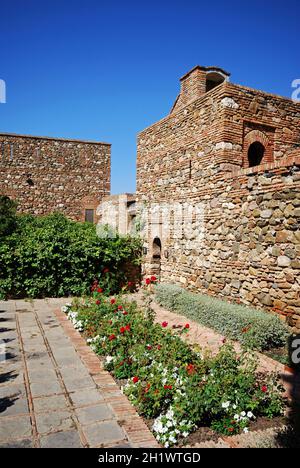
(106, 270)
(159, 347)
(98, 302)
(112, 337)
(149, 346)
(113, 301)
(120, 307)
(130, 284)
(187, 326)
(127, 328)
(122, 330)
(264, 389)
(164, 324)
(190, 369)
(135, 379)
(230, 429)
(168, 387)
(153, 278)
(125, 313)
(148, 281)
(100, 290)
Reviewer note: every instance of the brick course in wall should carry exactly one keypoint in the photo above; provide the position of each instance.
(250, 251)
(48, 174)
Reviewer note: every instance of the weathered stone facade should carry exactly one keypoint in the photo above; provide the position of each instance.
(118, 212)
(201, 153)
(47, 174)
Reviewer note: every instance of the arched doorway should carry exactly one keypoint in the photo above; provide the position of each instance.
(156, 256)
(256, 153)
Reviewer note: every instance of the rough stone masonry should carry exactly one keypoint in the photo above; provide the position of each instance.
(236, 151)
(54, 174)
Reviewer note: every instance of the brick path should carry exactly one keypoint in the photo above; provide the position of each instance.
(53, 389)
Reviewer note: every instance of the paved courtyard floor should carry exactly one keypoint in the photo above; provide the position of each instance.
(53, 389)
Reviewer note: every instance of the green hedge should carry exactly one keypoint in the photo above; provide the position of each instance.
(251, 327)
(53, 256)
(8, 217)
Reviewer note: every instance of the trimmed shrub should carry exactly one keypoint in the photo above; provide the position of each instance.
(53, 256)
(253, 328)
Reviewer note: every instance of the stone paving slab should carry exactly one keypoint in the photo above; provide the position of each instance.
(53, 388)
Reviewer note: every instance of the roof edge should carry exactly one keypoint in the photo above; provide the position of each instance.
(207, 69)
(71, 140)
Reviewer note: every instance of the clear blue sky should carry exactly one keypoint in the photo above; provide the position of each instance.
(105, 70)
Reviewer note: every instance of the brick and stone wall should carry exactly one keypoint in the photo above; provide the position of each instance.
(46, 174)
(250, 251)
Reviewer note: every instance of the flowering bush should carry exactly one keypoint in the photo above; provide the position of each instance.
(169, 381)
(52, 256)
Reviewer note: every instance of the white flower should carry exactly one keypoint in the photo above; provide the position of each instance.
(246, 430)
(226, 405)
(250, 414)
(243, 414)
(109, 359)
(185, 434)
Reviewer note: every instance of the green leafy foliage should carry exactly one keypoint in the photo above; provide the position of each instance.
(253, 328)
(8, 217)
(53, 256)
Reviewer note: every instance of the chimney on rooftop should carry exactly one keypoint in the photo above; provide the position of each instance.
(197, 82)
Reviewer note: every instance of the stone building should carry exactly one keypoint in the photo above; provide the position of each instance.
(233, 154)
(118, 212)
(54, 174)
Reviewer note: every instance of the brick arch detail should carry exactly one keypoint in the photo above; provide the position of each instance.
(261, 137)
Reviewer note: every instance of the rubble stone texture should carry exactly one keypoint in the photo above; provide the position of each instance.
(199, 154)
(47, 174)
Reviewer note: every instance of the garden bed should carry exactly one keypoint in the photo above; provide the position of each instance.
(185, 396)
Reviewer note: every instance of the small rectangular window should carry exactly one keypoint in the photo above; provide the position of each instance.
(89, 216)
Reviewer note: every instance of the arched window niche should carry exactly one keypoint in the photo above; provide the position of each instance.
(256, 153)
